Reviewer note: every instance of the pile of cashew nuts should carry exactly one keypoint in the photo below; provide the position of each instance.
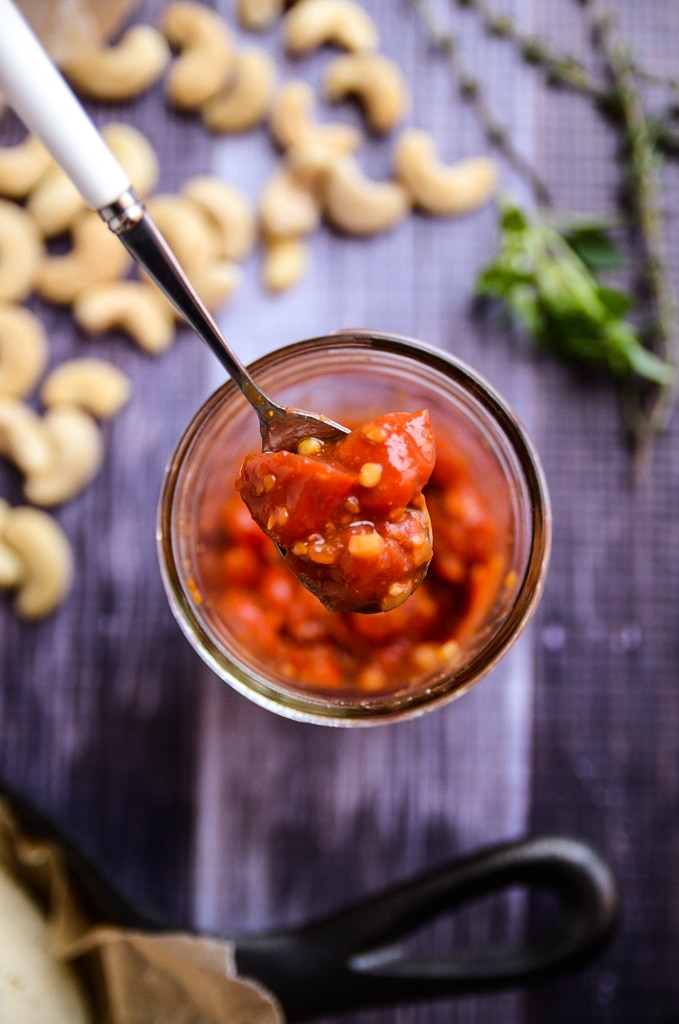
(212, 225)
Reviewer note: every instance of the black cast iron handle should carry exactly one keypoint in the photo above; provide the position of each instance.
(354, 958)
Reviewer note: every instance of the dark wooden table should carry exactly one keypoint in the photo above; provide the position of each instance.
(220, 815)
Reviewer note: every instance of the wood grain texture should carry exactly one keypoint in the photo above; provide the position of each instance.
(218, 814)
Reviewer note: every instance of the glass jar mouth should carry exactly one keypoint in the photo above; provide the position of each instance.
(396, 363)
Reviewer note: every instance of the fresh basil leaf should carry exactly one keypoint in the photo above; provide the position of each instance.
(617, 303)
(596, 250)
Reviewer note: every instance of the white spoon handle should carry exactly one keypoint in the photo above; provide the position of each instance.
(45, 103)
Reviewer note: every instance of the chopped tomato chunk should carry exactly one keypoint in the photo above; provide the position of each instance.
(401, 446)
(350, 516)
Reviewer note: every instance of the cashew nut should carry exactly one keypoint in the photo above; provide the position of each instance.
(360, 206)
(21, 166)
(135, 307)
(216, 282)
(120, 72)
(285, 262)
(185, 227)
(377, 82)
(96, 255)
(11, 565)
(46, 560)
(205, 58)
(23, 350)
(228, 210)
(77, 453)
(257, 15)
(437, 188)
(292, 122)
(314, 23)
(311, 164)
(55, 202)
(23, 438)
(21, 249)
(136, 154)
(243, 101)
(95, 385)
(287, 206)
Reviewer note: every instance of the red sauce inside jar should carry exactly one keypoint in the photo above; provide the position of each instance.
(258, 604)
(348, 515)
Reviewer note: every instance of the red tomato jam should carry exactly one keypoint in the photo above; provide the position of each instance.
(349, 515)
(259, 605)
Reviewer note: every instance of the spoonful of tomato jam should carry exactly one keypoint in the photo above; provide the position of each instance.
(349, 515)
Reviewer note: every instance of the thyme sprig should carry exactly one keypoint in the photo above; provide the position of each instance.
(602, 333)
(471, 90)
(642, 168)
(560, 69)
(564, 71)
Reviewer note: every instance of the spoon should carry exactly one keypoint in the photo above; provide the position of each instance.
(39, 95)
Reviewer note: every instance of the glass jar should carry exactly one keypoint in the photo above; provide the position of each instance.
(353, 376)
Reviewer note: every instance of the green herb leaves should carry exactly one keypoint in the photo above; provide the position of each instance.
(546, 277)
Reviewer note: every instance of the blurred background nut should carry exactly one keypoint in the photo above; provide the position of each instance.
(205, 58)
(314, 23)
(135, 153)
(287, 207)
(54, 202)
(286, 261)
(21, 250)
(11, 564)
(437, 188)
(76, 455)
(21, 165)
(358, 205)
(46, 557)
(135, 307)
(185, 228)
(71, 26)
(292, 122)
(217, 282)
(96, 255)
(258, 15)
(376, 81)
(228, 210)
(95, 385)
(23, 439)
(122, 71)
(243, 101)
(23, 350)
(11, 567)
(310, 164)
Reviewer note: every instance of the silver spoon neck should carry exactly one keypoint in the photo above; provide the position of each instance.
(128, 218)
(126, 211)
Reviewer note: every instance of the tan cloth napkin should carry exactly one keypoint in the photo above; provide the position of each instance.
(132, 977)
